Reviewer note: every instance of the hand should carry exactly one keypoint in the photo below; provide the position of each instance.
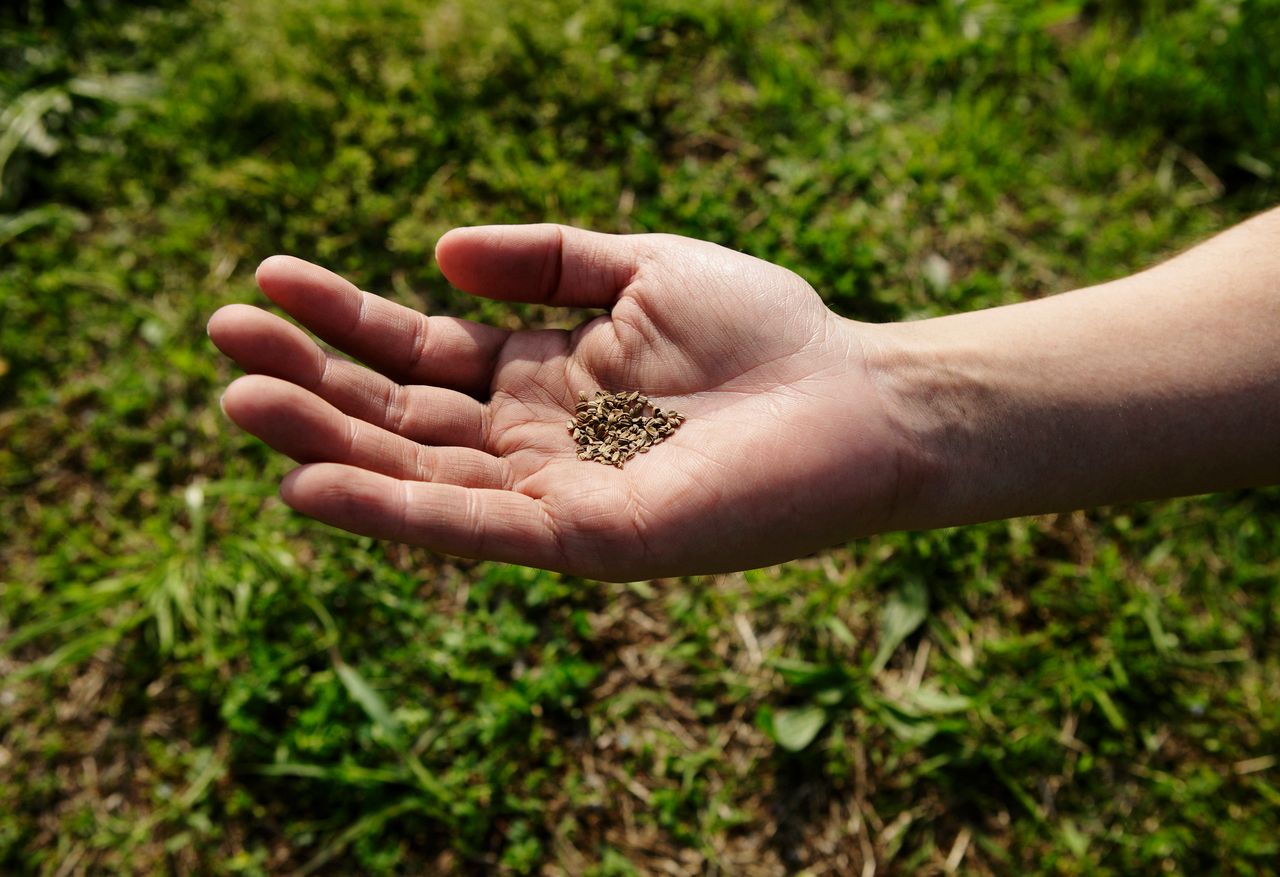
(454, 435)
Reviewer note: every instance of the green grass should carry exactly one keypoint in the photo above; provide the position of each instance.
(197, 681)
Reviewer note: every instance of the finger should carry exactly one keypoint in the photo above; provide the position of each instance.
(300, 424)
(399, 342)
(263, 343)
(552, 264)
(491, 524)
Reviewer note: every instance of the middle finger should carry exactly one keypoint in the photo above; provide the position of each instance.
(263, 343)
(310, 430)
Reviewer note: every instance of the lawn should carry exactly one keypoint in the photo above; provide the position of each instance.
(195, 680)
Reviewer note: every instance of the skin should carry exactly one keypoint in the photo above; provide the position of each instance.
(1166, 383)
(804, 429)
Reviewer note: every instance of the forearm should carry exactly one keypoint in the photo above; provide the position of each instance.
(1161, 384)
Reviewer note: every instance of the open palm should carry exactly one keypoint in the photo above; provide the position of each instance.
(452, 434)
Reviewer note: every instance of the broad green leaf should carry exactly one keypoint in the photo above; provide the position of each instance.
(1074, 838)
(804, 674)
(795, 729)
(904, 611)
(915, 731)
(841, 631)
(369, 699)
(927, 700)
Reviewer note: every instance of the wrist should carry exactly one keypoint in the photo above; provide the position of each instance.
(905, 371)
(992, 419)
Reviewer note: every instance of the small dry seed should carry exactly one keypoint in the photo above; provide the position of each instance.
(612, 428)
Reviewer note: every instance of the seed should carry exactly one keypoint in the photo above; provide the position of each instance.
(611, 428)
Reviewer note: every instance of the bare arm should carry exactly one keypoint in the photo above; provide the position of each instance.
(1161, 384)
(804, 429)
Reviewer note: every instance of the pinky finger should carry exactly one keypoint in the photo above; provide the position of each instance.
(465, 521)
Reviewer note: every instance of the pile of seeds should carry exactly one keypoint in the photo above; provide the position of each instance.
(612, 428)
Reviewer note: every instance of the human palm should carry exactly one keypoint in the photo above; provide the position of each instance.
(453, 434)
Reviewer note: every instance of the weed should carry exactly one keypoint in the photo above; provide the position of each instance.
(197, 681)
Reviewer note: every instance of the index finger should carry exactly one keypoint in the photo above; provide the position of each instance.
(399, 342)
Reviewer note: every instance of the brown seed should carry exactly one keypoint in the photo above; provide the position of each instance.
(612, 428)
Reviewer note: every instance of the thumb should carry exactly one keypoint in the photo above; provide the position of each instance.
(547, 264)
